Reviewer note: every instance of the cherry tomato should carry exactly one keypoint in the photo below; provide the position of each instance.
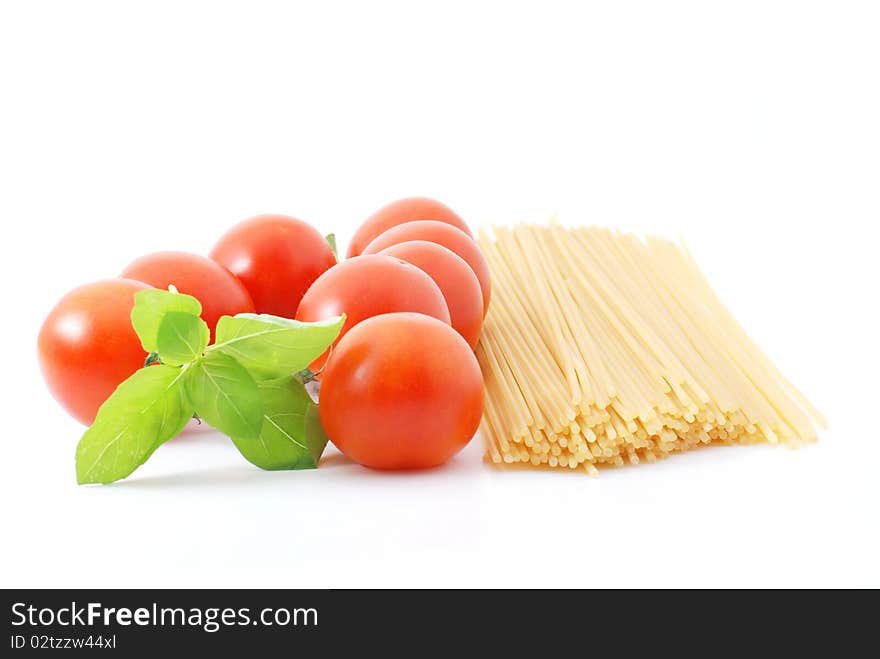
(219, 291)
(398, 212)
(456, 280)
(402, 391)
(366, 286)
(445, 235)
(87, 345)
(277, 258)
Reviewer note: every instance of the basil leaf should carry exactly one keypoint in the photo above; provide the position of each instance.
(272, 347)
(150, 307)
(292, 436)
(182, 338)
(146, 410)
(225, 395)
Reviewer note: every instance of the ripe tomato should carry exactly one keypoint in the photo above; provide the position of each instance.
(398, 212)
(366, 286)
(445, 235)
(456, 280)
(402, 391)
(87, 345)
(220, 293)
(277, 258)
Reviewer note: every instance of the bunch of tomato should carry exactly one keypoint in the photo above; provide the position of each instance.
(399, 389)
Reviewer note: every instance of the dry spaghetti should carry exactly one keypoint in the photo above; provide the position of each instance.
(604, 349)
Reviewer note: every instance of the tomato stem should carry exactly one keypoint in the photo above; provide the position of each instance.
(331, 240)
(308, 375)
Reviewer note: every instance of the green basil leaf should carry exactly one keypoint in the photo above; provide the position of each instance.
(150, 307)
(272, 347)
(225, 395)
(292, 436)
(146, 410)
(182, 338)
(316, 439)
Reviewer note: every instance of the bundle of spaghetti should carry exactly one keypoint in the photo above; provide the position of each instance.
(601, 348)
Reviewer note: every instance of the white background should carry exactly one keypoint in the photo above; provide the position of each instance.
(751, 129)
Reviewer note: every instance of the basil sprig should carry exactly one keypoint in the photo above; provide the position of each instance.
(243, 385)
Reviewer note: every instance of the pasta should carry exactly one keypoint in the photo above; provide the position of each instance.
(602, 349)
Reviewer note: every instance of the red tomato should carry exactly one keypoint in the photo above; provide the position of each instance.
(398, 212)
(402, 391)
(277, 258)
(220, 293)
(367, 286)
(87, 345)
(454, 277)
(445, 235)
